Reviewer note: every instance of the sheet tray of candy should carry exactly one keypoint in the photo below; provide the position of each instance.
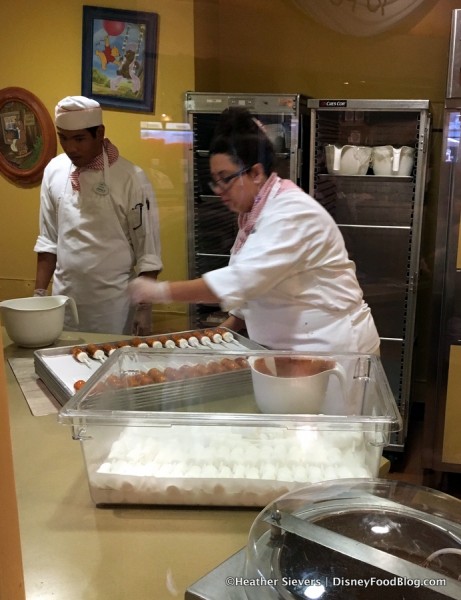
(180, 427)
(64, 369)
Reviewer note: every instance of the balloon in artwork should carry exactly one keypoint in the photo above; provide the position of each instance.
(113, 28)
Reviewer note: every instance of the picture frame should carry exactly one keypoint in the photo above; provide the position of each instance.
(27, 136)
(119, 56)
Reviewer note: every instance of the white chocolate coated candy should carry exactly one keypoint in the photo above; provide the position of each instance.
(83, 358)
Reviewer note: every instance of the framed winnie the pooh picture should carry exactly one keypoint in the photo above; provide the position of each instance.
(27, 136)
(119, 55)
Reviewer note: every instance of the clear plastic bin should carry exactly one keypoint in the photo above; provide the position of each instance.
(182, 427)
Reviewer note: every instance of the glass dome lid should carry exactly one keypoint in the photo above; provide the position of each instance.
(356, 539)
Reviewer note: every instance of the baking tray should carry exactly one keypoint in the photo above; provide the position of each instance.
(59, 370)
(116, 386)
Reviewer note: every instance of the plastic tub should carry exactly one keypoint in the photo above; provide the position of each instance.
(198, 438)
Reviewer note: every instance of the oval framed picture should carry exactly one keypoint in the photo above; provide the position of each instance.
(27, 136)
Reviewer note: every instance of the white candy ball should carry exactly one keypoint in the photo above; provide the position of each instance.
(315, 474)
(330, 473)
(239, 471)
(209, 471)
(268, 471)
(237, 454)
(284, 474)
(224, 472)
(194, 471)
(334, 456)
(252, 473)
(300, 474)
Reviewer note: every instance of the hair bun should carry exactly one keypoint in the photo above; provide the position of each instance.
(242, 137)
(236, 119)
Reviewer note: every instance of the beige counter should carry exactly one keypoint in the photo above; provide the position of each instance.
(75, 551)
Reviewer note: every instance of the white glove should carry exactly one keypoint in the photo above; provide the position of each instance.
(145, 289)
(40, 292)
(142, 320)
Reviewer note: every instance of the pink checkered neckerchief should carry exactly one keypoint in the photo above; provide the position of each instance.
(247, 221)
(97, 164)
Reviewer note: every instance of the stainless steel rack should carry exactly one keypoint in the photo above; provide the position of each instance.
(380, 219)
(211, 227)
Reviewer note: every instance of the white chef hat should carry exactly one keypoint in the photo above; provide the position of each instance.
(77, 112)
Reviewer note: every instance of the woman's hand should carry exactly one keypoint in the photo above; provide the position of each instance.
(144, 290)
(233, 323)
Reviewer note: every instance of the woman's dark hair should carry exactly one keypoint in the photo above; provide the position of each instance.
(242, 138)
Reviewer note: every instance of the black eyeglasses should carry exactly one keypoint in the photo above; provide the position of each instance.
(223, 183)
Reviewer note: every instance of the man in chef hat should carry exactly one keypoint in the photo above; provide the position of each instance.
(99, 225)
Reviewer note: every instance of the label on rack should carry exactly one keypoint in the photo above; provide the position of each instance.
(332, 103)
(243, 101)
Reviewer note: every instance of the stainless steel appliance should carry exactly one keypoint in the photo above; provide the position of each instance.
(442, 441)
(211, 227)
(378, 207)
(346, 539)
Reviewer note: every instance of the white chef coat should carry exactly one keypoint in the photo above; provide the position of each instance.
(293, 282)
(99, 244)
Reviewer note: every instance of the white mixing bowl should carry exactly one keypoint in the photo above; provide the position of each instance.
(35, 322)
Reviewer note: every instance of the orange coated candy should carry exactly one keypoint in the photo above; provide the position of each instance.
(79, 384)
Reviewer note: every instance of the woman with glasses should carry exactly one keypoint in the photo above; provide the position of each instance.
(289, 280)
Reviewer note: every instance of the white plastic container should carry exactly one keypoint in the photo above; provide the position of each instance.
(201, 440)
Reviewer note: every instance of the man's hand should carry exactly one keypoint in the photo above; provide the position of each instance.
(142, 320)
(40, 292)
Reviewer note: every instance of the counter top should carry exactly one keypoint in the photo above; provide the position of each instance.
(73, 550)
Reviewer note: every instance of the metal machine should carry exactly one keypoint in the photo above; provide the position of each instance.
(346, 539)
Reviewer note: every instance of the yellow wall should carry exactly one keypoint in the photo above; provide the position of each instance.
(42, 53)
(276, 47)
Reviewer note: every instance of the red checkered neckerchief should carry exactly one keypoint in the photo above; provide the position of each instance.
(247, 221)
(97, 164)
